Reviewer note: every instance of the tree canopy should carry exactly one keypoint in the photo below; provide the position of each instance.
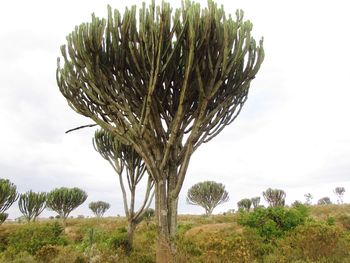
(64, 200)
(99, 208)
(8, 195)
(31, 204)
(163, 82)
(275, 197)
(208, 194)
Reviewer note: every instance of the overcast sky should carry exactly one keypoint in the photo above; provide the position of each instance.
(293, 133)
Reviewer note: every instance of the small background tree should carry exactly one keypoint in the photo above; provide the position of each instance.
(8, 195)
(208, 195)
(32, 204)
(130, 167)
(255, 202)
(64, 200)
(245, 204)
(275, 197)
(339, 192)
(308, 198)
(324, 201)
(99, 208)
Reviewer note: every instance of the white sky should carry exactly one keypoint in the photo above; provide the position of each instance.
(292, 134)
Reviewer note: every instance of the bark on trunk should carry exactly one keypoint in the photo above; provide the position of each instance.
(131, 231)
(164, 252)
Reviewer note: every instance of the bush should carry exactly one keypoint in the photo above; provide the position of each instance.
(32, 237)
(258, 246)
(119, 239)
(47, 253)
(314, 241)
(344, 221)
(274, 222)
(233, 248)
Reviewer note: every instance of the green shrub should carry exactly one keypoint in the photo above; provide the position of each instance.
(233, 248)
(119, 239)
(32, 237)
(47, 253)
(274, 222)
(22, 257)
(182, 228)
(344, 221)
(258, 246)
(188, 247)
(69, 254)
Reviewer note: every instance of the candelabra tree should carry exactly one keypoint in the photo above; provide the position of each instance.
(339, 192)
(308, 198)
(99, 208)
(32, 204)
(131, 168)
(208, 195)
(324, 201)
(255, 202)
(275, 197)
(8, 195)
(244, 204)
(164, 84)
(64, 200)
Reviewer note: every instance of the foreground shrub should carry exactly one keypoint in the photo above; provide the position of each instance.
(274, 222)
(344, 221)
(257, 244)
(315, 242)
(32, 237)
(47, 253)
(119, 239)
(230, 249)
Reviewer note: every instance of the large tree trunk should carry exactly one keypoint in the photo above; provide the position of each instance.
(131, 231)
(164, 251)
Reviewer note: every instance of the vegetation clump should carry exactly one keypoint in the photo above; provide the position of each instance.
(274, 222)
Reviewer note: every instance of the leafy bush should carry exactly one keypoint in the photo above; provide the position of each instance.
(274, 222)
(32, 237)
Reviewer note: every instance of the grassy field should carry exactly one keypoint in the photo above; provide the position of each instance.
(324, 236)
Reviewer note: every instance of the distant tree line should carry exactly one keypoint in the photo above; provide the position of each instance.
(31, 204)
